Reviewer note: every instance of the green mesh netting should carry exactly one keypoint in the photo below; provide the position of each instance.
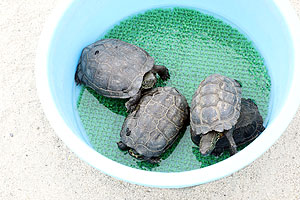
(191, 45)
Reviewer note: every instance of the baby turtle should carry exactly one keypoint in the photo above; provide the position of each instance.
(155, 124)
(117, 69)
(215, 109)
(248, 127)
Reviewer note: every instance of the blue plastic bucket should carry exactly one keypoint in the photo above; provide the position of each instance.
(271, 25)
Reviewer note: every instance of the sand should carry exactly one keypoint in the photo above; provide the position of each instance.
(35, 164)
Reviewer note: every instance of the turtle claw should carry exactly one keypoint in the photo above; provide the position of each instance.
(153, 160)
(132, 102)
(122, 146)
(217, 152)
(165, 76)
(129, 107)
(162, 71)
(233, 151)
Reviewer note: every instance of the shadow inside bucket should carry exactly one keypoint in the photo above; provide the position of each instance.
(116, 106)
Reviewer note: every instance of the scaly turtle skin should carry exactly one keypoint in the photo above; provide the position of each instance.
(117, 69)
(155, 124)
(248, 128)
(215, 109)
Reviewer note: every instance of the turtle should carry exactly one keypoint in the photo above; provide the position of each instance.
(117, 69)
(248, 128)
(155, 124)
(215, 109)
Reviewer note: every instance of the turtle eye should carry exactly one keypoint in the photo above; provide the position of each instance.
(96, 52)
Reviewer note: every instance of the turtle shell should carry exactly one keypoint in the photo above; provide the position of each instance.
(215, 105)
(248, 127)
(113, 68)
(156, 122)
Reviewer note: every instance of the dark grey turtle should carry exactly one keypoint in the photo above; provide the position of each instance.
(215, 109)
(155, 124)
(117, 69)
(248, 127)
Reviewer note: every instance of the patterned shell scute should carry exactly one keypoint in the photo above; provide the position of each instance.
(156, 122)
(215, 105)
(115, 68)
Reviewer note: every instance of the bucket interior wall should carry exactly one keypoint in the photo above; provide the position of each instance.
(75, 31)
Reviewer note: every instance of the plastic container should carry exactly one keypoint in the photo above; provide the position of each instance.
(271, 25)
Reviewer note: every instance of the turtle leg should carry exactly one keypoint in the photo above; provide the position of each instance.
(153, 160)
(78, 75)
(231, 141)
(217, 152)
(122, 146)
(162, 71)
(133, 101)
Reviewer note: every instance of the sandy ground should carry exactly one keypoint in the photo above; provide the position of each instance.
(35, 164)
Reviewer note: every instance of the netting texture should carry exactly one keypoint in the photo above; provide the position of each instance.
(192, 45)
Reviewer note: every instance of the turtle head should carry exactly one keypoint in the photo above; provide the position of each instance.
(149, 80)
(208, 142)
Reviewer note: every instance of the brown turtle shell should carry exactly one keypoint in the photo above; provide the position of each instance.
(113, 68)
(215, 105)
(156, 122)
